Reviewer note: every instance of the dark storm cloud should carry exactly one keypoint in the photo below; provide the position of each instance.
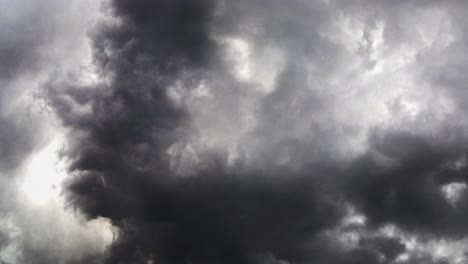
(399, 181)
(121, 141)
(121, 130)
(118, 152)
(390, 248)
(220, 218)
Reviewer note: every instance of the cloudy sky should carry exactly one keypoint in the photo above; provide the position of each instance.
(233, 132)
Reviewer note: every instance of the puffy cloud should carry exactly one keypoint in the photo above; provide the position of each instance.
(36, 37)
(244, 131)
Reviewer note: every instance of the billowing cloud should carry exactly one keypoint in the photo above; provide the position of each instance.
(210, 131)
(36, 39)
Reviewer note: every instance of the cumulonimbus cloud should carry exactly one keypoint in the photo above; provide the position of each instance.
(269, 132)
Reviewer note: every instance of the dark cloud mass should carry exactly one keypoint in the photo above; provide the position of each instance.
(399, 181)
(118, 152)
(263, 132)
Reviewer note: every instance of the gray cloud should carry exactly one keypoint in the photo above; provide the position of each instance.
(35, 38)
(242, 131)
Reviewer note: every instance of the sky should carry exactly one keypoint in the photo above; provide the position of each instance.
(233, 132)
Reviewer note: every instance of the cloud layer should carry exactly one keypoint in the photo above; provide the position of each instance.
(209, 131)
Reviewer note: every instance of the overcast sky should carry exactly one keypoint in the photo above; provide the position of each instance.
(233, 132)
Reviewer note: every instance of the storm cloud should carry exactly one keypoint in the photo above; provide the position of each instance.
(210, 131)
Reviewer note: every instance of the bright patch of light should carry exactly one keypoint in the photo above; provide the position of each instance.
(42, 175)
(451, 250)
(238, 53)
(88, 76)
(411, 108)
(353, 218)
(184, 159)
(72, 236)
(453, 191)
(265, 68)
(402, 258)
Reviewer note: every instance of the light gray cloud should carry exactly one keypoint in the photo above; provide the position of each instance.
(36, 38)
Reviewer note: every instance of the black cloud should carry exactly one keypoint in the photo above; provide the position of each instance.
(400, 180)
(273, 213)
(121, 168)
